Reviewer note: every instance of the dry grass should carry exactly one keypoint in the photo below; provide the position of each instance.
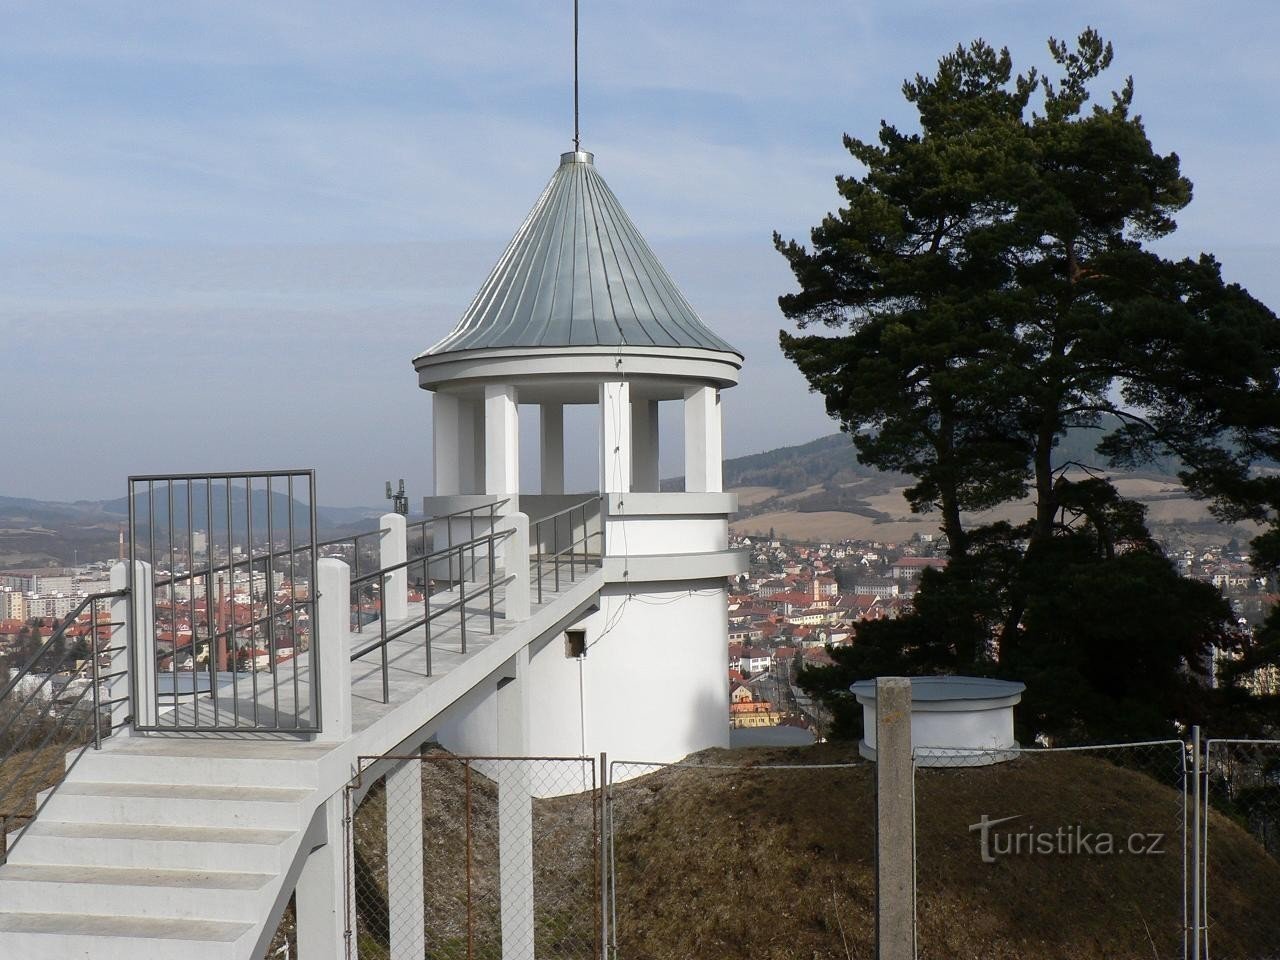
(779, 864)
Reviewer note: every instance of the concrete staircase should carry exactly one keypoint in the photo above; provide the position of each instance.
(160, 840)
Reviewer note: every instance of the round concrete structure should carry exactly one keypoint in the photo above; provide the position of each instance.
(955, 721)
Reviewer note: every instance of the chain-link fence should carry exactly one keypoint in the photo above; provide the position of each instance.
(464, 857)
(1242, 849)
(723, 861)
(1052, 853)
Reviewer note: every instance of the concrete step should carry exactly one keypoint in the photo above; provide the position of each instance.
(176, 805)
(131, 892)
(178, 761)
(59, 936)
(171, 848)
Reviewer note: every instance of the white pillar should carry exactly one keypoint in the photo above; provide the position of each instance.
(703, 453)
(551, 454)
(125, 662)
(445, 445)
(470, 452)
(324, 896)
(501, 441)
(393, 548)
(644, 445)
(333, 613)
(515, 563)
(615, 437)
(405, 889)
(515, 816)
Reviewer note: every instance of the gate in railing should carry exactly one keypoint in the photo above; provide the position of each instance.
(222, 579)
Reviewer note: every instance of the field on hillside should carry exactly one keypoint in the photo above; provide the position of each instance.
(1172, 515)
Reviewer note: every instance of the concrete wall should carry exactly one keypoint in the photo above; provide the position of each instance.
(651, 687)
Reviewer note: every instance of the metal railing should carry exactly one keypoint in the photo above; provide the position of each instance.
(53, 701)
(547, 553)
(217, 576)
(456, 560)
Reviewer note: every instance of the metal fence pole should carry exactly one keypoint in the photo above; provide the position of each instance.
(1196, 853)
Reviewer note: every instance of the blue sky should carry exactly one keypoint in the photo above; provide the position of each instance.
(225, 229)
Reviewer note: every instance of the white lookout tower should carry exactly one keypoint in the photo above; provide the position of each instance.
(579, 311)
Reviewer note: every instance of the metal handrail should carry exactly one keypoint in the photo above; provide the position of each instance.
(41, 722)
(540, 560)
(447, 555)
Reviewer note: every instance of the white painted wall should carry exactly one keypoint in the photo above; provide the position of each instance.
(651, 686)
(648, 536)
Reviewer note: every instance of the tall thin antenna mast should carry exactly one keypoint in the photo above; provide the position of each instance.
(577, 140)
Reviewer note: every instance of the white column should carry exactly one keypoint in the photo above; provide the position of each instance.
(644, 445)
(470, 452)
(515, 816)
(405, 890)
(445, 445)
(124, 661)
(515, 563)
(501, 441)
(615, 437)
(551, 454)
(142, 658)
(703, 453)
(333, 613)
(323, 897)
(393, 548)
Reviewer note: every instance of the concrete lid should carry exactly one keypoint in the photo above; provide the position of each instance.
(578, 274)
(935, 689)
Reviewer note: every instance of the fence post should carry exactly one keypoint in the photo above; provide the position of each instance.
(895, 821)
(606, 861)
(393, 548)
(333, 613)
(405, 879)
(515, 561)
(1196, 852)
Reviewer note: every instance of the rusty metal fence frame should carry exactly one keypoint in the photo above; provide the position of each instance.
(482, 781)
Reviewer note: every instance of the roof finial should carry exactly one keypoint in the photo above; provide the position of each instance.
(577, 140)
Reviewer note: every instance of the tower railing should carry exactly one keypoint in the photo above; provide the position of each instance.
(58, 700)
(564, 539)
(463, 557)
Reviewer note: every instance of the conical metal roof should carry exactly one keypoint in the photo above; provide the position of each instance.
(578, 274)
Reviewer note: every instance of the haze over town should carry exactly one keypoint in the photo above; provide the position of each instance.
(230, 228)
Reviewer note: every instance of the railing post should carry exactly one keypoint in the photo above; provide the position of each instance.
(137, 612)
(333, 611)
(122, 668)
(515, 562)
(393, 548)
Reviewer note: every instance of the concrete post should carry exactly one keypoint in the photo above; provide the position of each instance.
(333, 611)
(703, 447)
(137, 612)
(895, 822)
(445, 443)
(393, 548)
(515, 815)
(515, 553)
(551, 452)
(324, 895)
(644, 443)
(405, 880)
(615, 437)
(122, 657)
(501, 442)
